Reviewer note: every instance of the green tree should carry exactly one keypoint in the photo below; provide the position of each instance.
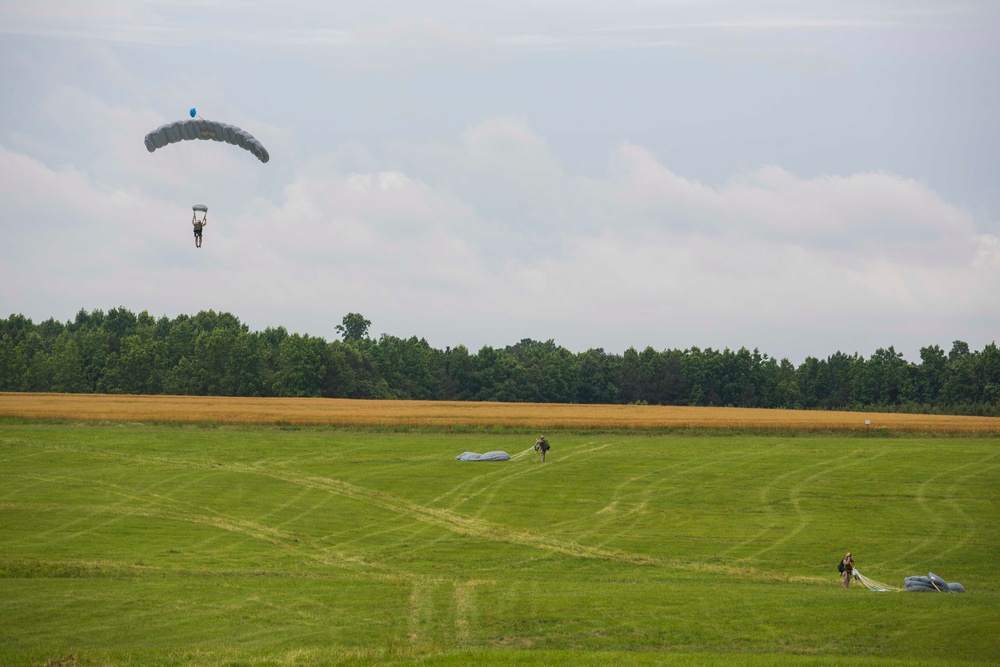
(67, 365)
(354, 327)
(301, 366)
(137, 368)
(456, 376)
(933, 370)
(596, 378)
(13, 365)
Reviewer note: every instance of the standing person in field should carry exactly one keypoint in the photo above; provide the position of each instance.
(846, 569)
(542, 446)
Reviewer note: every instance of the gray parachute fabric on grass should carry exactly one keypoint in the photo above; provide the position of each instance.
(931, 584)
(205, 130)
(488, 456)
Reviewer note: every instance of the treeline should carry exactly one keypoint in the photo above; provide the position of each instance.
(214, 354)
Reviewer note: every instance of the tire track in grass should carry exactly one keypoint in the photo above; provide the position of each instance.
(505, 474)
(616, 499)
(794, 495)
(23, 489)
(628, 518)
(492, 490)
(23, 455)
(280, 507)
(970, 525)
(92, 525)
(163, 507)
(420, 611)
(457, 524)
(935, 516)
(62, 531)
(214, 519)
(464, 610)
(827, 466)
(469, 527)
(763, 503)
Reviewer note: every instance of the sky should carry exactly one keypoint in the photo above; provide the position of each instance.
(802, 177)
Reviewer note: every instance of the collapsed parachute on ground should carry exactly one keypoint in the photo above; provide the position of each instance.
(929, 584)
(932, 584)
(205, 130)
(488, 456)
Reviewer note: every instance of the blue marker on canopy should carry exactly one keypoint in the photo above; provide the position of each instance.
(193, 112)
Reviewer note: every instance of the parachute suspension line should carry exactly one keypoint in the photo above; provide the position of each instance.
(521, 455)
(876, 586)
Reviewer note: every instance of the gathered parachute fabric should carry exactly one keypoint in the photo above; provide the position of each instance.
(488, 456)
(932, 584)
(929, 584)
(493, 456)
(198, 128)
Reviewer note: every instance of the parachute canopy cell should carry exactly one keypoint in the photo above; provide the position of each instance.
(488, 456)
(205, 130)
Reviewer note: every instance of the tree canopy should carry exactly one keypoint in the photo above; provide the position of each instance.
(214, 354)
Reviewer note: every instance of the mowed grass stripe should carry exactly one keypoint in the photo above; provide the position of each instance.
(453, 414)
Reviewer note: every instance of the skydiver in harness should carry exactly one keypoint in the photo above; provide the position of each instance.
(846, 569)
(542, 446)
(198, 224)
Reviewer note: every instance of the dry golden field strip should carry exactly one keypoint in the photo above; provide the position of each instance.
(538, 416)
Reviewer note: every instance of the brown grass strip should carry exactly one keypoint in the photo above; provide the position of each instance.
(452, 414)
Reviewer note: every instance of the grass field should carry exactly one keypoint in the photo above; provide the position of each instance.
(466, 415)
(160, 545)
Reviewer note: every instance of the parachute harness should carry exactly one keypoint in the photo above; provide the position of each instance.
(876, 586)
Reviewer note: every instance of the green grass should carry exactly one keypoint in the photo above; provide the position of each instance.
(157, 545)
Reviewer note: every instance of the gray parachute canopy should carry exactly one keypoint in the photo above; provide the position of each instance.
(488, 456)
(198, 128)
(932, 584)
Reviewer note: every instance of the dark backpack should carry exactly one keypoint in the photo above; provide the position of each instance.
(840, 566)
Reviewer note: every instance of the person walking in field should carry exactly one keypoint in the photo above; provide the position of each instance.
(542, 446)
(846, 569)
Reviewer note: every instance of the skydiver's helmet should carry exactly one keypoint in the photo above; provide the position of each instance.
(202, 209)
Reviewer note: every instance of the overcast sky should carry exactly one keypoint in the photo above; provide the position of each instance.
(801, 177)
